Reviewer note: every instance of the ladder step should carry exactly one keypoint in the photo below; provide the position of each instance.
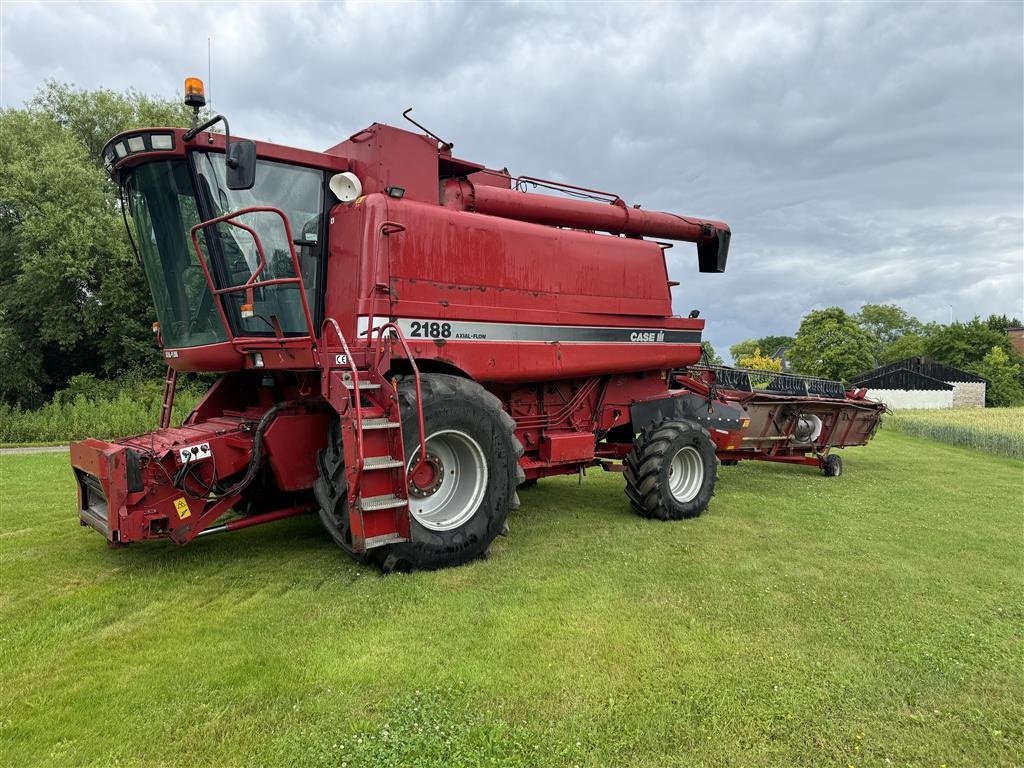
(381, 423)
(373, 503)
(379, 541)
(381, 462)
(362, 385)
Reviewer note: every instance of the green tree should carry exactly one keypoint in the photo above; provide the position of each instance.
(963, 345)
(767, 344)
(72, 298)
(1002, 323)
(1004, 386)
(742, 349)
(708, 354)
(830, 343)
(759, 362)
(886, 324)
(771, 344)
(910, 345)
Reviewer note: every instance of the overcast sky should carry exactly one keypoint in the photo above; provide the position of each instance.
(861, 152)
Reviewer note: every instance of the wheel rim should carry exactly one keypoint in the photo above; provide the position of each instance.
(685, 474)
(456, 489)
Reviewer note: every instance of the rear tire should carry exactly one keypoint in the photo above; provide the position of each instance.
(475, 455)
(671, 471)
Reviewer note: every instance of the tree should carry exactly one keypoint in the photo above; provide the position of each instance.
(1003, 375)
(72, 298)
(1002, 323)
(708, 354)
(771, 344)
(768, 344)
(742, 349)
(830, 343)
(963, 345)
(911, 345)
(886, 324)
(759, 362)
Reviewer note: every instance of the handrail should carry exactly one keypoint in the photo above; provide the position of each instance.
(167, 405)
(391, 326)
(330, 322)
(249, 284)
(386, 228)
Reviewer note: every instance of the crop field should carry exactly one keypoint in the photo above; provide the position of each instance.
(995, 430)
(869, 620)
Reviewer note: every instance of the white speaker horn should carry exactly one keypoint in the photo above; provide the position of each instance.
(346, 186)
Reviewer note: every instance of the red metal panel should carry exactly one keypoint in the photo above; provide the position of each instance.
(569, 446)
(455, 259)
(383, 156)
(292, 442)
(511, 362)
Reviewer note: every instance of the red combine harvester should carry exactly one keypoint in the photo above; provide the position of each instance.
(405, 337)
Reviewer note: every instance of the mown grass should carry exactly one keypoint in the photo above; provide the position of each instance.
(995, 430)
(869, 620)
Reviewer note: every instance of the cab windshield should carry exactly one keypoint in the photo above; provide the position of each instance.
(298, 193)
(165, 206)
(162, 200)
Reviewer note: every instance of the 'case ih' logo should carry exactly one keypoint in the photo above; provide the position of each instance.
(647, 336)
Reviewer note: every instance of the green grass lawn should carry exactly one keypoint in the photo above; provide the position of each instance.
(870, 620)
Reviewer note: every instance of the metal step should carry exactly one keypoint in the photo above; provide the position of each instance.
(381, 462)
(381, 423)
(380, 541)
(373, 503)
(362, 385)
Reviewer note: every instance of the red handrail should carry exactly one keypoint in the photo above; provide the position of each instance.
(391, 326)
(386, 228)
(330, 322)
(249, 284)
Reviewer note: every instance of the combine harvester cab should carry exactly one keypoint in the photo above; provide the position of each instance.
(404, 337)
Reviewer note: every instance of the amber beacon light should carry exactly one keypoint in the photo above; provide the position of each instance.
(195, 93)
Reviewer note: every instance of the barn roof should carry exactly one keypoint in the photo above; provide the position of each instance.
(902, 378)
(924, 366)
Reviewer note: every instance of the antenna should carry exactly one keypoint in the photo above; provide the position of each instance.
(209, 69)
(445, 145)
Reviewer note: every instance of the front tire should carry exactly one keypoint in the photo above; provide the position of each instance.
(331, 489)
(833, 466)
(671, 471)
(467, 487)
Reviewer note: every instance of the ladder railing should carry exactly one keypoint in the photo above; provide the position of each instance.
(167, 402)
(332, 324)
(391, 327)
(376, 339)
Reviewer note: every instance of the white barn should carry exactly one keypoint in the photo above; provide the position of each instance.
(919, 382)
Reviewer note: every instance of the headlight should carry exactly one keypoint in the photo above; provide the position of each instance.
(140, 142)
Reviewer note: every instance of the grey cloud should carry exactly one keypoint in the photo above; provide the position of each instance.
(861, 152)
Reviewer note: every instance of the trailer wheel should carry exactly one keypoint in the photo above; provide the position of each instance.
(468, 485)
(671, 471)
(833, 466)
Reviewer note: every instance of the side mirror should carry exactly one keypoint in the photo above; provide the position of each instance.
(241, 164)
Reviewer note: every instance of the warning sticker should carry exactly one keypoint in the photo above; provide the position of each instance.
(182, 506)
